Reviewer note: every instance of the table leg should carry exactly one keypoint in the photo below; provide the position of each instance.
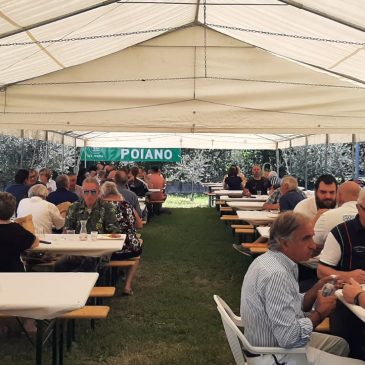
(39, 343)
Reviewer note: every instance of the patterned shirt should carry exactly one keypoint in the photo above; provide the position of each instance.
(271, 305)
(101, 217)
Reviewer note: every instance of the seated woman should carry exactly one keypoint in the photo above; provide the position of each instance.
(138, 186)
(233, 181)
(129, 220)
(14, 238)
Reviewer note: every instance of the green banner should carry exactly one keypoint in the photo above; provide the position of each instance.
(131, 154)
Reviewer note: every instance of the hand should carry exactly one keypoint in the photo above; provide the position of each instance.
(319, 284)
(325, 305)
(358, 275)
(350, 290)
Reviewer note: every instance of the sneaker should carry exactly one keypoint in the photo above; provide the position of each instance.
(242, 250)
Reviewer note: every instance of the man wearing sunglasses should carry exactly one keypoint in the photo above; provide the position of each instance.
(100, 216)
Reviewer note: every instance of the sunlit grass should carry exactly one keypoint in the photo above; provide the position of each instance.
(186, 201)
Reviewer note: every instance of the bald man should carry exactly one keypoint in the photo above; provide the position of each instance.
(347, 195)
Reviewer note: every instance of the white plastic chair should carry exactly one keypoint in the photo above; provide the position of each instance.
(238, 342)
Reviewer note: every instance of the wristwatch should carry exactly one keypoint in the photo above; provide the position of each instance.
(357, 297)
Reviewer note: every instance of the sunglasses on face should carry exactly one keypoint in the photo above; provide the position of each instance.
(92, 192)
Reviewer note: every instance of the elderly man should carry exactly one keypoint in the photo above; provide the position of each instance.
(347, 195)
(100, 215)
(273, 311)
(290, 194)
(257, 183)
(45, 214)
(62, 193)
(325, 189)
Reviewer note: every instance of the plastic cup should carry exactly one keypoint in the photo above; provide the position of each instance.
(70, 231)
(258, 192)
(94, 235)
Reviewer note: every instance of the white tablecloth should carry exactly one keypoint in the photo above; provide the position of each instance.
(253, 198)
(44, 295)
(257, 217)
(69, 244)
(242, 205)
(356, 309)
(228, 192)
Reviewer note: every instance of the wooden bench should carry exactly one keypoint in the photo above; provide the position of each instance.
(211, 198)
(102, 292)
(244, 232)
(110, 275)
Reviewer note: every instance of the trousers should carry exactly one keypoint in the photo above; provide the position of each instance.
(322, 349)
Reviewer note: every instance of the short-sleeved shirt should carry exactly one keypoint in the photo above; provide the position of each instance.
(233, 182)
(344, 248)
(307, 207)
(254, 185)
(156, 181)
(289, 200)
(101, 217)
(14, 240)
(62, 195)
(19, 191)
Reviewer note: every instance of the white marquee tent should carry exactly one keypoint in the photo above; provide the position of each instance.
(183, 73)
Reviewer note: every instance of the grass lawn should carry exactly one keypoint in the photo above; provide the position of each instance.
(172, 318)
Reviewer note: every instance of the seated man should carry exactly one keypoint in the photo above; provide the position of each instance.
(100, 215)
(156, 181)
(273, 311)
(257, 184)
(62, 193)
(290, 196)
(20, 189)
(45, 214)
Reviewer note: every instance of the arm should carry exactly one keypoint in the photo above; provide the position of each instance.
(358, 275)
(138, 219)
(57, 220)
(268, 206)
(351, 290)
(71, 217)
(290, 327)
(35, 243)
(111, 223)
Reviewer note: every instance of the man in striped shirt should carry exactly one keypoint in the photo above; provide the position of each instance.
(274, 313)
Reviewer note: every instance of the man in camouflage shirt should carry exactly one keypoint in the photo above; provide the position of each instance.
(100, 216)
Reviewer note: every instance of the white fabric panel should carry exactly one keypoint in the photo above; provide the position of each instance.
(293, 21)
(351, 11)
(298, 142)
(340, 138)
(317, 139)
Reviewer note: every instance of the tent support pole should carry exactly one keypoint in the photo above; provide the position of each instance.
(277, 158)
(47, 149)
(21, 148)
(63, 154)
(325, 155)
(306, 163)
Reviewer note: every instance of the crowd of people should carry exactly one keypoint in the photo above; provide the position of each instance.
(315, 240)
(105, 197)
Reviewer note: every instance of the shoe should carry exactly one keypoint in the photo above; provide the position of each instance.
(242, 250)
(127, 292)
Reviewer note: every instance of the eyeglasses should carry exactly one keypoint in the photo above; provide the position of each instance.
(360, 206)
(92, 192)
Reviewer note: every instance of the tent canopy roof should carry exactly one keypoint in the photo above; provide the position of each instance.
(268, 67)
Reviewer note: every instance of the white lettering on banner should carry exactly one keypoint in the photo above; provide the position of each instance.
(158, 154)
(135, 154)
(124, 152)
(148, 155)
(168, 155)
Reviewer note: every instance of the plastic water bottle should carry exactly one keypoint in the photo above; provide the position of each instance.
(329, 288)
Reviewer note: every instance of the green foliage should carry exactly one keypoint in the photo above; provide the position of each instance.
(36, 154)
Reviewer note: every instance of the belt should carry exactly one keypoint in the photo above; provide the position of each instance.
(248, 354)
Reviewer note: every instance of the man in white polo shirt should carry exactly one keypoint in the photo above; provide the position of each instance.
(347, 195)
(325, 189)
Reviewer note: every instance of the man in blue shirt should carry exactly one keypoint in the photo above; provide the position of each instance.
(20, 189)
(62, 194)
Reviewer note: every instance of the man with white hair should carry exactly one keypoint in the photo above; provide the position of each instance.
(45, 214)
(290, 196)
(273, 311)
